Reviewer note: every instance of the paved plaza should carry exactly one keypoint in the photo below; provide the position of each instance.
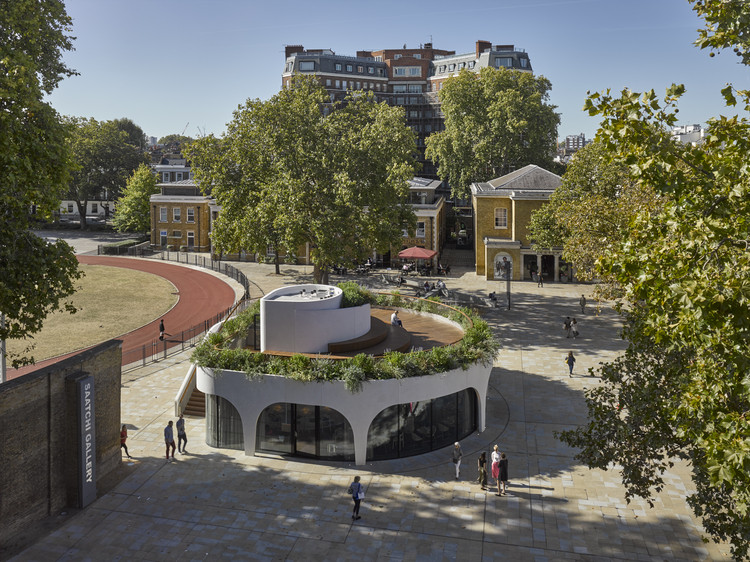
(220, 504)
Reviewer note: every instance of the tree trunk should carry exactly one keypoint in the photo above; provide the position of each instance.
(82, 212)
(276, 262)
(317, 274)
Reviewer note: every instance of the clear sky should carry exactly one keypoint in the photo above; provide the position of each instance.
(174, 65)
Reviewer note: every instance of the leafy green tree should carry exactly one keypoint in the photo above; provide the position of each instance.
(682, 389)
(727, 23)
(293, 170)
(174, 138)
(495, 122)
(104, 159)
(135, 135)
(37, 276)
(590, 213)
(133, 209)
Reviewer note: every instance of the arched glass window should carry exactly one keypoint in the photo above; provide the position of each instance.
(306, 431)
(414, 428)
(223, 424)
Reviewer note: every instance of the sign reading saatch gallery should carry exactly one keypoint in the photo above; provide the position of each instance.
(86, 441)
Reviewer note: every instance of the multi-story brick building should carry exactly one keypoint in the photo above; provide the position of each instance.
(409, 78)
(181, 216)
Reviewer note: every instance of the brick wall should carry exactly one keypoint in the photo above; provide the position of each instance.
(38, 428)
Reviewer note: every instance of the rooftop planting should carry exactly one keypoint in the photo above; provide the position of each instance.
(219, 350)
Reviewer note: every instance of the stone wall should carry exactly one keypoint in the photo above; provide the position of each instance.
(38, 436)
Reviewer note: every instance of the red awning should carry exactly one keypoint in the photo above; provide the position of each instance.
(416, 253)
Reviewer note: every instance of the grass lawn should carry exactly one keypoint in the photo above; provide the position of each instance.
(111, 301)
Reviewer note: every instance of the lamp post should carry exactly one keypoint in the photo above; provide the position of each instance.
(507, 281)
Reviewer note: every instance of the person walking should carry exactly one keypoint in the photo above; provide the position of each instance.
(358, 494)
(123, 438)
(169, 440)
(539, 279)
(503, 469)
(582, 302)
(566, 326)
(482, 468)
(496, 467)
(570, 360)
(574, 328)
(161, 329)
(181, 436)
(456, 455)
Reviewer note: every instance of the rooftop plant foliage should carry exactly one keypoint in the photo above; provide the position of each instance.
(477, 346)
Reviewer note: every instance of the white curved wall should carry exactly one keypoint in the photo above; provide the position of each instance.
(293, 323)
(251, 397)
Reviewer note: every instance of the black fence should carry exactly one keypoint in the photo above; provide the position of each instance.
(172, 344)
(158, 350)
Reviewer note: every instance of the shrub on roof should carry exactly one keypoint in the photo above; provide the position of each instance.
(477, 346)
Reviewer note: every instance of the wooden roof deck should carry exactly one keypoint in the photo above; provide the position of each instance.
(426, 331)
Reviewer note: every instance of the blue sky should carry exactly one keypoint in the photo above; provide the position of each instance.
(171, 65)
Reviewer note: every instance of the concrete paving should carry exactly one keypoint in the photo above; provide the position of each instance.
(218, 503)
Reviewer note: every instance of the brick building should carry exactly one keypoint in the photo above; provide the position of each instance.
(181, 216)
(502, 213)
(409, 78)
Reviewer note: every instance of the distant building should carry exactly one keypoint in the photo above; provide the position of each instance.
(688, 134)
(181, 216)
(172, 170)
(574, 143)
(405, 77)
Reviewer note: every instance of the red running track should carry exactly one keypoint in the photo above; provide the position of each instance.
(201, 296)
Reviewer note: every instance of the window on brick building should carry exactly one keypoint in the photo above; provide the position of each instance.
(191, 215)
(176, 214)
(501, 218)
(162, 214)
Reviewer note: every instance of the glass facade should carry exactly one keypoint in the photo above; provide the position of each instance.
(418, 427)
(319, 432)
(305, 431)
(223, 424)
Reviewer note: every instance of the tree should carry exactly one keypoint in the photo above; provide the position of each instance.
(727, 23)
(103, 158)
(293, 170)
(175, 139)
(37, 276)
(590, 213)
(682, 390)
(495, 122)
(133, 212)
(134, 134)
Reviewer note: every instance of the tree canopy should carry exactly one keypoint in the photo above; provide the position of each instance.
(682, 389)
(589, 215)
(295, 170)
(496, 121)
(133, 209)
(103, 158)
(37, 276)
(175, 138)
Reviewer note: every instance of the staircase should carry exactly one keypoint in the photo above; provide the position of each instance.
(196, 405)
(457, 257)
